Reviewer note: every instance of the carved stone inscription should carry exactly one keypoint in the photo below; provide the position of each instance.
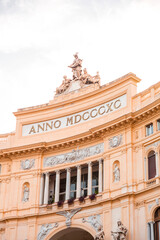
(74, 119)
(75, 155)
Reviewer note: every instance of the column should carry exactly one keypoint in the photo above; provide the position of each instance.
(89, 178)
(78, 192)
(100, 177)
(57, 186)
(152, 230)
(41, 190)
(145, 169)
(68, 183)
(148, 231)
(46, 189)
(157, 164)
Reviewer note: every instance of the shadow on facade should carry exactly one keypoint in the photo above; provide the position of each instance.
(72, 234)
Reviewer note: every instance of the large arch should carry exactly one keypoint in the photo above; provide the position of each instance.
(72, 234)
(61, 229)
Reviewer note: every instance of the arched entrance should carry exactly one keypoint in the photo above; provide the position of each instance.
(157, 224)
(72, 234)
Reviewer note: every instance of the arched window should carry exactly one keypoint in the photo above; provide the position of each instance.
(157, 224)
(151, 165)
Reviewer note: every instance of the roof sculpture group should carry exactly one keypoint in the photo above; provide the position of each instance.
(83, 77)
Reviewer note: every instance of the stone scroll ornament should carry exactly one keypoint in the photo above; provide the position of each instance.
(95, 222)
(115, 141)
(75, 155)
(120, 233)
(27, 164)
(45, 229)
(68, 215)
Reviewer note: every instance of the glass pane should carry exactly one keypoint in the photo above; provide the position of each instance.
(73, 183)
(73, 195)
(62, 185)
(84, 181)
(62, 197)
(95, 179)
(95, 190)
(158, 124)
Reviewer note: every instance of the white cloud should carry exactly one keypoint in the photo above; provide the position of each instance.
(38, 39)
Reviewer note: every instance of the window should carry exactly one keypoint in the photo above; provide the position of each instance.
(157, 224)
(62, 193)
(158, 124)
(149, 129)
(151, 165)
(84, 184)
(95, 182)
(73, 187)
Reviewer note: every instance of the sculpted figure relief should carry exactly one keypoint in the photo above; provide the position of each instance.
(68, 215)
(115, 141)
(27, 164)
(75, 155)
(116, 173)
(96, 224)
(45, 229)
(25, 194)
(120, 233)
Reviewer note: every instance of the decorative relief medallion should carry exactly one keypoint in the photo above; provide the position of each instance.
(27, 164)
(45, 229)
(95, 222)
(115, 141)
(75, 155)
(68, 215)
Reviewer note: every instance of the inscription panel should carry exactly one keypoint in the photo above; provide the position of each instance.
(74, 119)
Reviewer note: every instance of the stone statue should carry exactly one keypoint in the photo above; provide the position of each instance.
(45, 229)
(65, 84)
(76, 67)
(68, 215)
(86, 78)
(25, 194)
(96, 79)
(79, 80)
(120, 233)
(96, 224)
(116, 173)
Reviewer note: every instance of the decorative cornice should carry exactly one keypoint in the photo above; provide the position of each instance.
(94, 134)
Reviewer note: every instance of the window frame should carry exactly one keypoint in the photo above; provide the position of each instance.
(149, 129)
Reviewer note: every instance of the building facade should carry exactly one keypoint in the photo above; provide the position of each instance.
(83, 162)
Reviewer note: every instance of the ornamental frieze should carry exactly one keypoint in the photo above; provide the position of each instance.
(75, 155)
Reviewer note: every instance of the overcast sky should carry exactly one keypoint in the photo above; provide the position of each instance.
(39, 37)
